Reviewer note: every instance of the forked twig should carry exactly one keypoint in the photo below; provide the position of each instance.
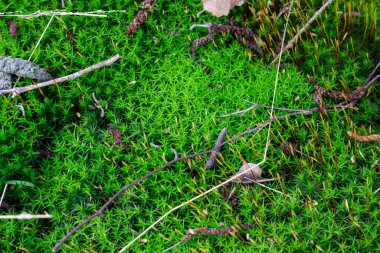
(18, 90)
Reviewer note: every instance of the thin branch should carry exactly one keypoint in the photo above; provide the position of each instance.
(254, 105)
(303, 29)
(210, 162)
(18, 90)
(39, 13)
(26, 216)
(370, 77)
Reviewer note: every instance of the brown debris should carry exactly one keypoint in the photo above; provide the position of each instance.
(12, 27)
(212, 231)
(117, 135)
(229, 195)
(339, 96)
(142, 15)
(364, 138)
(245, 36)
(351, 14)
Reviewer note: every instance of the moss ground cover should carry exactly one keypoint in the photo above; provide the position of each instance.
(158, 94)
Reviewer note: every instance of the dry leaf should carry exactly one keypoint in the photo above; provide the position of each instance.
(253, 173)
(220, 8)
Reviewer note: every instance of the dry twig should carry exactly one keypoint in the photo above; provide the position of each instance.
(364, 138)
(18, 90)
(303, 29)
(210, 162)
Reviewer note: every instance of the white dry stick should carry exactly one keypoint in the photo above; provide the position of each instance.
(98, 13)
(38, 43)
(25, 216)
(231, 178)
(303, 29)
(2, 195)
(258, 182)
(254, 105)
(42, 35)
(18, 90)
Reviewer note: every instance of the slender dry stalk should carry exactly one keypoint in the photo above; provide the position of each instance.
(37, 44)
(18, 90)
(2, 195)
(303, 29)
(98, 13)
(26, 216)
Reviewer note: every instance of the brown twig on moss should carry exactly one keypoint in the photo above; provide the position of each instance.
(210, 162)
(364, 138)
(147, 6)
(211, 231)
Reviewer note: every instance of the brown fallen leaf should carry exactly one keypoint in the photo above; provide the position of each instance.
(12, 27)
(364, 138)
(220, 8)
(253, 173)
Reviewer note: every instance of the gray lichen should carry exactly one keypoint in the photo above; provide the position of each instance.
(5, 81)
(19, 67)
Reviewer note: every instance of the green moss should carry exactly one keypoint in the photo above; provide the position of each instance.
(158, 94)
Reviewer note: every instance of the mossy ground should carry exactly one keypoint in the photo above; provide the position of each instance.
(158, 94)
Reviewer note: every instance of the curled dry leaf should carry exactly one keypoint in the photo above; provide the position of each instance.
(253, 173)
(220, 8)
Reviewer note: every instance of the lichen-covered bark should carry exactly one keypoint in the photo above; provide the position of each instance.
(5, 81)
(23, 68)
